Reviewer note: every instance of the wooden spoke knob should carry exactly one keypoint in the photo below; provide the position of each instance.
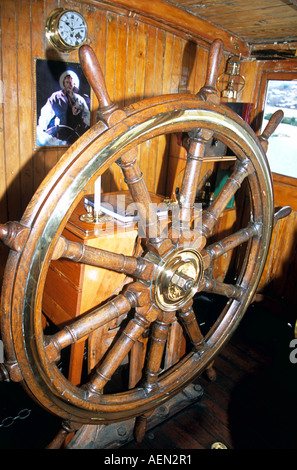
(13, 234)
(213, 66)
(282, 213)
(273, 123)
(108, 110)
(94, 75)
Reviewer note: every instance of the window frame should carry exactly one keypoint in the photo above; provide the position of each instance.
(285, 187)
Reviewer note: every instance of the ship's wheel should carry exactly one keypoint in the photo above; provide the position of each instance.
(173, 265)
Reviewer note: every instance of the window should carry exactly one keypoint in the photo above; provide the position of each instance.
(282, 149)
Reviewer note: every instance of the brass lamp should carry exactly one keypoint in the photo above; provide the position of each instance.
(231, 81)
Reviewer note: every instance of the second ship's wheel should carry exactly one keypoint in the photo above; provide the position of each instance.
(173, 265)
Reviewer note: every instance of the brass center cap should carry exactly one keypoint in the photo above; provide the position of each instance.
(177, 279)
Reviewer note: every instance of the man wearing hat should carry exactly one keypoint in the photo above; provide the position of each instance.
(68, 109)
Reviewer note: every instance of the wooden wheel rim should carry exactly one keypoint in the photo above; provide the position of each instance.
(90, 156)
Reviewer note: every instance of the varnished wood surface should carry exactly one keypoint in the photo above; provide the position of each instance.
(139, 58)
(281, 265)
(167, 13)
(257, 22)
(72, 288)
(279, 275)
(22, 172)
(249, 405)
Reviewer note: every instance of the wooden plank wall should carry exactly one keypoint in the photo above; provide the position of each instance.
(138, 59)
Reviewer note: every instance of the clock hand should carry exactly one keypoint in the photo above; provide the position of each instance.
(67, 24)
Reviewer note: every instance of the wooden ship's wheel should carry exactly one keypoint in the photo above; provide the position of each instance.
(172, 264)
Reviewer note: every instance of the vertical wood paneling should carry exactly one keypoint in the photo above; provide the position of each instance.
(111, 53)
(38, 45)
(150, 63)
(149, 86)
(200, 69)
(168, 62)
(187, 62)
(3, 185)
(176, 64)
(279, 277)
(3, 176)
(112, 176)
(121, 59)
(98, 40)
(249, 69)
(155, 164)
(10, 108)
(139, 59)
(25, 88)
(131, 61)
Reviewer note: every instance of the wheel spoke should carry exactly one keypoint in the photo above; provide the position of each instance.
(218, 249)
(221, 288)
(103, 373)
(188, 318)
(155, 354)
(192, 173)
(233, 183)
(83, 326)
(150, 226)
(140, 195)
(129, 265)
(182, 223)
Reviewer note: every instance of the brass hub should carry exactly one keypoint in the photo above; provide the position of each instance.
(177, 279)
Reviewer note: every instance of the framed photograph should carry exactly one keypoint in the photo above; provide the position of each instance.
(62, 103)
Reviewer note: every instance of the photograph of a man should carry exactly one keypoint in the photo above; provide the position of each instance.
(64, 114)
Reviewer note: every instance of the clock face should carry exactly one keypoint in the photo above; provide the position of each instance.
(72, 28)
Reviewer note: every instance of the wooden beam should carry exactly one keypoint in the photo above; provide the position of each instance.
(285, 46)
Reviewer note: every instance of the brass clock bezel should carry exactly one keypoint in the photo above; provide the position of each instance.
(53, 34)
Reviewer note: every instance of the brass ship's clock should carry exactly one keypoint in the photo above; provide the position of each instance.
(66, 30)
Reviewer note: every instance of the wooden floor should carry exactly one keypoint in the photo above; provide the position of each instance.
(251, 405)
